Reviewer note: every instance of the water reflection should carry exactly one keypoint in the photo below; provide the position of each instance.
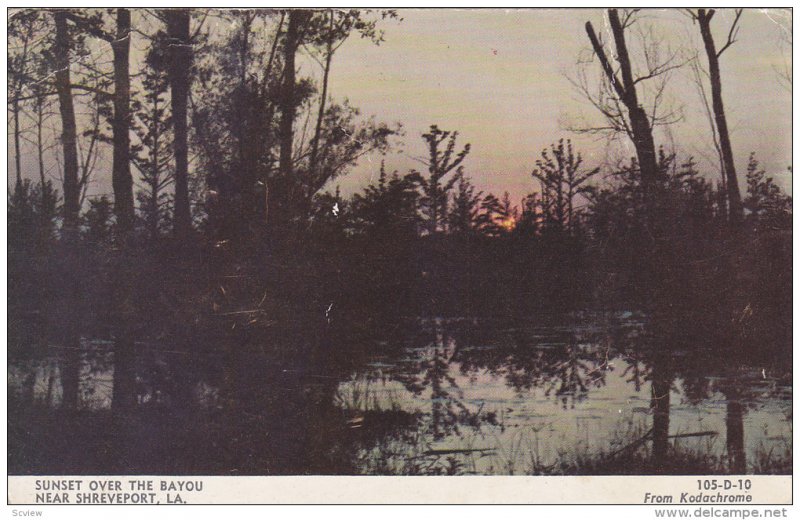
(589, 389)
(588, 393)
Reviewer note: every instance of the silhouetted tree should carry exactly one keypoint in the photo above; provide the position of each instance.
(620, 102)
(62, 61)
(180, 56)
(703, 17)
(332, 29)
(464, 208)
(279, 197)
(766, 203)
(561, 180)
(388, 209)
(436, 185)
(99, 221)
(24, 28)
(152, 155)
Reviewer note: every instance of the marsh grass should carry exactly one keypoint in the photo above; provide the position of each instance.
(520, 454)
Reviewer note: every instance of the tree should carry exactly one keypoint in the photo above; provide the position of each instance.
(498, 216)
(703, 17)
(436, 186)
(619, 100)
(119, 40)
(42, 112)
(234, 116)
(152, 155)
(766, 203)
(561, 180)
(342, 141)
(241, 128)
(121, 172)
(180, 62)
(697, 78)
(279, 196)
(61, 53)
(99, 222)
(93, 24)
(335, 27)
(463, 217)
(388, 209)
(23, 29)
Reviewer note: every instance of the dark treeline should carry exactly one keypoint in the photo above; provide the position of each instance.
(225, 231)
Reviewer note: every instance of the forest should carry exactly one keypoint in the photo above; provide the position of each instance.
(226, 293)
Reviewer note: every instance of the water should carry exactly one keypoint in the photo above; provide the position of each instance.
(447, 396)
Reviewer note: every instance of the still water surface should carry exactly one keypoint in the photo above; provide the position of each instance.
(468, 396)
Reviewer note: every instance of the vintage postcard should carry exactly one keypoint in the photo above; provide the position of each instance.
(400, 256)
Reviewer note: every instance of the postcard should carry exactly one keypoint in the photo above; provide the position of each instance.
(400, 256)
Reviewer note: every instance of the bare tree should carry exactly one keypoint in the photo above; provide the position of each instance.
(783, 21)
(618, 97)
(703, 18)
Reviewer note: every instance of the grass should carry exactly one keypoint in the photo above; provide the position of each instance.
(520, 454)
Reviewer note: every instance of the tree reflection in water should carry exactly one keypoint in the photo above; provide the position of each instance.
(591, 394)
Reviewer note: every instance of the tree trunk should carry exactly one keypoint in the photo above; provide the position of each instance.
(121, 173)
(69, 134)
(642, 133)
(155, 173)
(180, 53)
(640, 124)
(71, 368)
(321, 114)
(661, 385)
(735, 209)
(17, 91)
(70, 371)
(279, 188)
(734, 426)
(40, 142)
(124, 392)
(17, 154)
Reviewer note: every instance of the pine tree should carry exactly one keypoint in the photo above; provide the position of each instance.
(152, 155)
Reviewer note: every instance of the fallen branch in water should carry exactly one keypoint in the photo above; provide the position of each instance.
(649, 437)
(696, 434)
(455, 451)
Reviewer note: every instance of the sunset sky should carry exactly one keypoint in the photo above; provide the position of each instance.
(500, 78)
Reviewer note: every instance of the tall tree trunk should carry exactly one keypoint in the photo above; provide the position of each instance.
(735, 209)
(661, 385)
(279, 188)
(121, 173)
(154, 216)
(180, 52)
(69, 132)
(40, 142)
(71, 368)
(642, 133)
(640, 124)
(17, 154)
(321, 114)
(124, 392)
(734, 440)
(17, 90)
